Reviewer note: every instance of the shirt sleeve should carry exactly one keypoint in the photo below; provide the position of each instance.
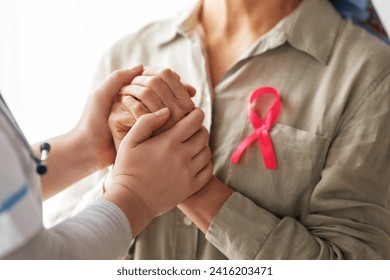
(101, 231)
(349, 210)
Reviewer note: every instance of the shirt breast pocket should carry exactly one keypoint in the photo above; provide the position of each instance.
(285, 191)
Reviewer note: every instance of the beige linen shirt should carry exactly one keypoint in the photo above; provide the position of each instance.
(330, 196)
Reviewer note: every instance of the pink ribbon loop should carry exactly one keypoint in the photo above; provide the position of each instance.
(262, 128)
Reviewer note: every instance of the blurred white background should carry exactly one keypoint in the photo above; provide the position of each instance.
(49, 50)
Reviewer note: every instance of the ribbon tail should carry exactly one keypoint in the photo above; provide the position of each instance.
(267, 150)
(235, 158)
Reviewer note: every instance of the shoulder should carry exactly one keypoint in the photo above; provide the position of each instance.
(360, 66)
(364, 52)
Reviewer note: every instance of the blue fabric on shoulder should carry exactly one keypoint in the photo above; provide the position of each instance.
(362, 13)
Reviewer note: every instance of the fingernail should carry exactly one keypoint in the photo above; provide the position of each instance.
(162, 112)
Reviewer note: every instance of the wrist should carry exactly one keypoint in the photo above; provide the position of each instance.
(82, 148)
(97, 148)
(134, 208)
(203, 206)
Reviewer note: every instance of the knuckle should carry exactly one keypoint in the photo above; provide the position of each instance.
(188, 105)
(127, 99)
(203, 138)
(208, 153)
(148, 92)
(138, 108)
(166, 72)
(155, 81)
(205, 132)
(125, 90)
(176, 74)
(200, 113)
(144, 93)
(137, 80)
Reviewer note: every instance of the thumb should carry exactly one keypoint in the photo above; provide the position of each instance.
(145, 126)
(108, 90)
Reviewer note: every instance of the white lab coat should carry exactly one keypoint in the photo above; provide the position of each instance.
(20, 199)
(101, 231)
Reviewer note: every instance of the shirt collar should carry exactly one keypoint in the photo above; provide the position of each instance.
(311, 28)
(184, 23)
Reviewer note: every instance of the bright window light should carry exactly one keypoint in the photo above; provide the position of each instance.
(49, 51)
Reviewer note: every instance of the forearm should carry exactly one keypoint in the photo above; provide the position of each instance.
(69, 160)
(241, 229)
(100, 232)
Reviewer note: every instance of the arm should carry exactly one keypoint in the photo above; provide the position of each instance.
(102, 231)
(178, 159)
(89, 145)
(348, 212)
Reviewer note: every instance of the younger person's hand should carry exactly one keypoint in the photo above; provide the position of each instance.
(161, 171)
(92, 127)
(88, 146)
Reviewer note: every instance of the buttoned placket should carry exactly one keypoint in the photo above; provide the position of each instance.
(186, 229)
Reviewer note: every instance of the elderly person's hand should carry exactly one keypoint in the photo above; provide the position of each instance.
(155, 89)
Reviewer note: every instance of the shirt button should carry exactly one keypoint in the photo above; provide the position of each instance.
(187, 221)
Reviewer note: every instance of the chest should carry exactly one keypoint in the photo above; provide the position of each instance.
(221, 55)
(300, 137)
(310, 110)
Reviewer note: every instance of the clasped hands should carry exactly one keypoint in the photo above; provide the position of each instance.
(170, 158)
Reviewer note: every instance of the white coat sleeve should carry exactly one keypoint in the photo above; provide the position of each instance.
(101, 231)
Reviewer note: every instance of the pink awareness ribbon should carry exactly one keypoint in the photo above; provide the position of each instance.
(262, 128)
